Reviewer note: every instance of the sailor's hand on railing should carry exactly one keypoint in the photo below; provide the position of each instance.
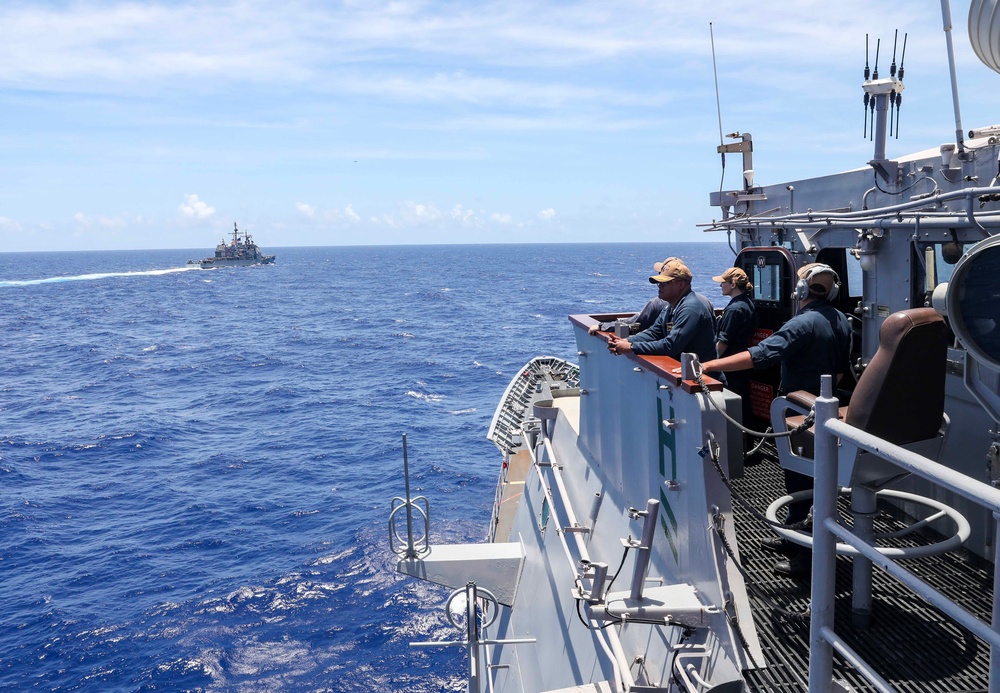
(619, 346)
(695, 368)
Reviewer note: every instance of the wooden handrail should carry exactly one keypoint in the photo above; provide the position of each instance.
(662, 366)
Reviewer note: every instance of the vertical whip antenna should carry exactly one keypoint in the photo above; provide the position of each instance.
(892, 74)
(868, 74)
(902, 58)
(899, 97)
(895, 42)
(718, 107)
(871, 106)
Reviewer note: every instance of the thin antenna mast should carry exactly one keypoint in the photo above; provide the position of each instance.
(868, 75)
(899, 97)
(892, 74)
(878, 45)
(718, 107)
(946, 19)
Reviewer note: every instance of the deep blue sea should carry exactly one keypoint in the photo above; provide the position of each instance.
(196, 465)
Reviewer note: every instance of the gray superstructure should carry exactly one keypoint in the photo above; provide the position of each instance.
(626, 552)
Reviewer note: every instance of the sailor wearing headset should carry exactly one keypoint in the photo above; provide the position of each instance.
(815, 342)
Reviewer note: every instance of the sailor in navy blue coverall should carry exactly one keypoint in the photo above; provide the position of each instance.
(687, 325)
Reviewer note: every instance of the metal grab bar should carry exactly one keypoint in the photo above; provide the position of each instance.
(411, 550)
(608, 637)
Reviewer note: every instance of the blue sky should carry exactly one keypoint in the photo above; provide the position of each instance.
(157, 125)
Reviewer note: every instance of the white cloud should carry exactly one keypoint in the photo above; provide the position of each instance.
(413, 214)
(428, 212)
(501, 218)
(346, 48)
(119, 222)
(7, 224)
(334, 215)
(195, 208)
(466, 216)
(462, 87)
(428, 215)
(547, 214)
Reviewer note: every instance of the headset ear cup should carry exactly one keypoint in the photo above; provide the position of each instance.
(801, 290)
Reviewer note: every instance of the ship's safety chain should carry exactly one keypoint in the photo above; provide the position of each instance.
(712, 449)
(733, 618)
(752, 584)
(807, 423)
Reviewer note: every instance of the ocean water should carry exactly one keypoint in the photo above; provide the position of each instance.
(196, 465)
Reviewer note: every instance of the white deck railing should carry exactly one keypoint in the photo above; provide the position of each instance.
(826, 532)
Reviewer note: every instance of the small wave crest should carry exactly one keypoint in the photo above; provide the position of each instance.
(427, 397)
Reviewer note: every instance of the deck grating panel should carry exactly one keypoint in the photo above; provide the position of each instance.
(912, 645)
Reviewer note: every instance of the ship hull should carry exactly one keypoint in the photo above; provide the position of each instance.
(224, 262)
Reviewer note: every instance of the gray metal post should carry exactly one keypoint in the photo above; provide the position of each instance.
(995, 651)
(863, 509)
(411, 552)
(472, 636)
(642, 557)
(881, 122)
(946, 22)
(824, 543)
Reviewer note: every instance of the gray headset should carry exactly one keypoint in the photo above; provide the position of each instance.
(805, 284)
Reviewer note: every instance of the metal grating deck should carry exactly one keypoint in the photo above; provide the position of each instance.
(910, 644)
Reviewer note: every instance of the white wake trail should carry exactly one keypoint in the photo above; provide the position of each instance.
(102, 275)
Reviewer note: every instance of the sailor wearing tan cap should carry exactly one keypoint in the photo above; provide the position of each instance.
(686, 325)
(735, 329)
(645, 318)
(737, 321)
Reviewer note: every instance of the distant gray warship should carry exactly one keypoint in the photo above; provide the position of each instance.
(239, 251)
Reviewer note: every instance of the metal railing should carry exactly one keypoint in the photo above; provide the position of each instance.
(543, 458)
(826, 532)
